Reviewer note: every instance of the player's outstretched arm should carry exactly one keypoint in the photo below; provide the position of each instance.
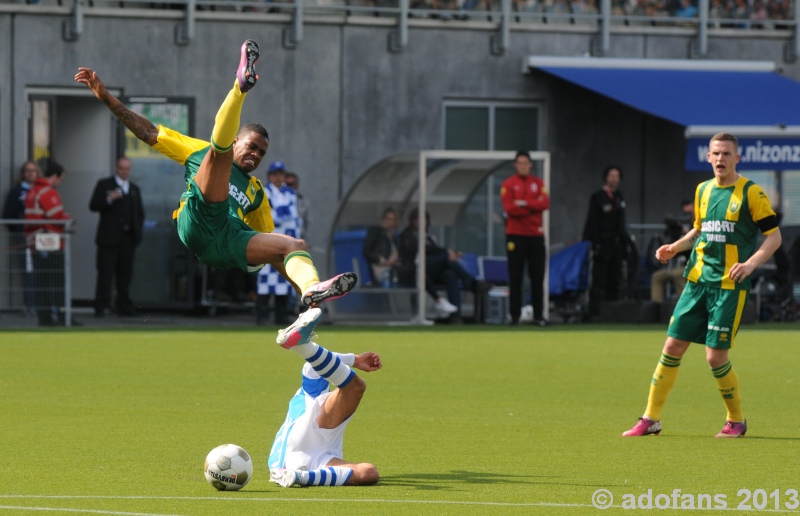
(368, 362)
(141, 127)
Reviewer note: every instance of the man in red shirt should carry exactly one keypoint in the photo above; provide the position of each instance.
(43, 204)
(525, 199)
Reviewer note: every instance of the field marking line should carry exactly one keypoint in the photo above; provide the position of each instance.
(277, 499)
(82, 511)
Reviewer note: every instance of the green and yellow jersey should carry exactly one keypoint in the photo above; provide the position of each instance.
(728, 218)
(247, 198)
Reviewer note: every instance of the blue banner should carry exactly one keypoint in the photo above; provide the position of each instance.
(756, 153)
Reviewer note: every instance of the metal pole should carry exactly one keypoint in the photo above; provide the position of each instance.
(191, 11)
(67, 280)
(605, 26)
(546, 223)
(796, 20)
(505, 25)
(489, 251)
(403, 24)
(421, 208)
(298, 21)
(702, 33)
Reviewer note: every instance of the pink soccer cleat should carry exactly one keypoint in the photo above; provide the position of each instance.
(247, 72)
(644, 427)
(334, 288)
(732, 429)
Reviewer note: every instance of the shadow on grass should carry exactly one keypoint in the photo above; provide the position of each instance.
(746, 437)
(451, 480)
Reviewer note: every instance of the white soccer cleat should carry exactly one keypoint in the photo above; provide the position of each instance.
(301, 331)
(283, 477)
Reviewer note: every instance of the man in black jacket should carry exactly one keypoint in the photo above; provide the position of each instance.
(607, 230)
(119, 231)
(380, 248)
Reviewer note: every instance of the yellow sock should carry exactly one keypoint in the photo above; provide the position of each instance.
(728, 382)
(663, 380)
(226, 123)
(301, 270)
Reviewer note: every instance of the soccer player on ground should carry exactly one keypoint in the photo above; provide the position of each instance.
(222, 217)
(729, 210)
(307, 450)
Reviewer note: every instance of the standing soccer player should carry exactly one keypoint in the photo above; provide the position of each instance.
(730, 210)
(222, 217)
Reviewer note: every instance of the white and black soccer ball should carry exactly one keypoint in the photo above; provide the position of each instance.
(228, 467)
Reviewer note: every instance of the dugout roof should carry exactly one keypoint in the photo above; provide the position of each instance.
(746, 98)
(460, 190)
(394, 182)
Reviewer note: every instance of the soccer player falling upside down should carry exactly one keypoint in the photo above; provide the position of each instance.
(222, 216)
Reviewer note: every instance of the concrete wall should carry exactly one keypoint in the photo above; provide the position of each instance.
(340, 101)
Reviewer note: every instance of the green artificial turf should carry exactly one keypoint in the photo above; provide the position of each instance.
(479, 420)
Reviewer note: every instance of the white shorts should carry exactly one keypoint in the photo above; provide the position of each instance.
(309, 447)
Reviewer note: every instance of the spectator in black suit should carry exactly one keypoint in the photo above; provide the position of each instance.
(119, 231)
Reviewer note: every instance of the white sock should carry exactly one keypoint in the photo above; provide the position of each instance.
(326, 364)
(328, 476)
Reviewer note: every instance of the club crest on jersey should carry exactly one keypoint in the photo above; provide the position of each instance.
(734, 207)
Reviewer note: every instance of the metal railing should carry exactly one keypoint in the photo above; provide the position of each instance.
(35, 284)
(604, 16)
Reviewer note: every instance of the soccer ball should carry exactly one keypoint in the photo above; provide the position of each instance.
(228, 467)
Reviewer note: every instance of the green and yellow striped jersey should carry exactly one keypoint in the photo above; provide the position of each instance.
(729, 218)
(246, 193)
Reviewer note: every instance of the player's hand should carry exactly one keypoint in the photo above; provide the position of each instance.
(89, 77)
(740, 271)
(664, 253)
(368, 361)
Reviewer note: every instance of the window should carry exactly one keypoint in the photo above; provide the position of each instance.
(491, 125)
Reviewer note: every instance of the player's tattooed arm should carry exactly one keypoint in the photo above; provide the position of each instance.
(141, 127)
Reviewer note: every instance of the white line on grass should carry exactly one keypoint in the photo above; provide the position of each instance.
(277, 499)
(82, 511)
(332, 500)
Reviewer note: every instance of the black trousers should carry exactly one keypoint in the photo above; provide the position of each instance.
(522, 251)
(606, 274)
(48, 279)
(115, 266)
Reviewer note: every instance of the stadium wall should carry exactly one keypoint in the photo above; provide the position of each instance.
(340, 100)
